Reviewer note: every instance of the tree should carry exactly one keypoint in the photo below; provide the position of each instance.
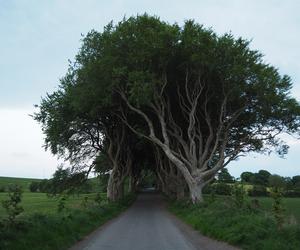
(261, 178)
(296, 181)
(224, 176)
(247, 177)
(276, 181)
(12, 204)
(201, 99)
(34, 186)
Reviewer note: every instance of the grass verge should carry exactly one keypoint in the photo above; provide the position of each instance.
(246, 227)
(60, 230)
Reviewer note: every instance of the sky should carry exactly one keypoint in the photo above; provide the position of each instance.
(39, 37)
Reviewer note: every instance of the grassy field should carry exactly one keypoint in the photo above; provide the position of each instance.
(23, 182)
(42, 226)
(52, 230)
(41, 203)
(291, 206)
(248, 228)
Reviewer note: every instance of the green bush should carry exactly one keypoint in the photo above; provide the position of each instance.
(291, 193)
(258, 190)
(245, 228)
(207, 189)
(222, 189)
(56, 231)
(34, 186)
(2, 189)
(12, 204)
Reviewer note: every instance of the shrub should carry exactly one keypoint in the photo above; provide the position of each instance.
(258, 190)
(239, 195)
(12, 204)
(34, 186)
(291, 193)
(207, 189)
(222, 189)
(277, 207)
(2, 189)
(98, 199)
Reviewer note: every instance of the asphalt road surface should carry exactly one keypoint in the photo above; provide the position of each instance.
(147, 225)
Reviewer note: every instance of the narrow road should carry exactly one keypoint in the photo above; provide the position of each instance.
(147, 225)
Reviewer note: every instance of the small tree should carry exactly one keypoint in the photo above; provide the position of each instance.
(277, 207)
(34, 186)
(84, 202)
(12, 204)
(246, 177)
(224, 176)
(258, 190)
(2, 189)
(61, 206)
(239, 195)
(276, 181)
(98, 199)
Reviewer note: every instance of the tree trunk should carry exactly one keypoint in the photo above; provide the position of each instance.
(132, 185)
(110, 187)
(119, 189)
(195, 189)
(115, 187)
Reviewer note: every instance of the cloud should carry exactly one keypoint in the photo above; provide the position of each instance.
(21, 152)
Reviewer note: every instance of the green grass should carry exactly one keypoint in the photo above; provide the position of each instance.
(48, 230)
(249, 228)
(41, 203)
(291, 206)
(41, 226)
(23, 182)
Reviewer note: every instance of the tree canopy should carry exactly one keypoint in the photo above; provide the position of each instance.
(194, 99)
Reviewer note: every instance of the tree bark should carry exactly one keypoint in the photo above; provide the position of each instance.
(115, 187)
(195, 189)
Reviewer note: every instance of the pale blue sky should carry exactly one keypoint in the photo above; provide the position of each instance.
(38, 37)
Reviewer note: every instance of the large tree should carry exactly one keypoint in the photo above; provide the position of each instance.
(201, 99)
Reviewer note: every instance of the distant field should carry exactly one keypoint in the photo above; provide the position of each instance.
(23, 182)
(291, 205)
(41, 203)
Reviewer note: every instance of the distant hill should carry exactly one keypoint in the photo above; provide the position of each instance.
(23, 182)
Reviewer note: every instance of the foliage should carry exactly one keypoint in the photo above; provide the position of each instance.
(239, 195)
(145, 78)
(24, 183)
(258, 190)
(66, 181)
(98, 199)
(84, 202)
(12, 204)
(277, 181)
(291, 193)
(61, 206)
(277, 207)
(245, 228)
(55, 231)
(34, 186)
(261, 178)
(224, 176)
(222, 189)
(247, 177)
(296, 181)
(44, 204)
